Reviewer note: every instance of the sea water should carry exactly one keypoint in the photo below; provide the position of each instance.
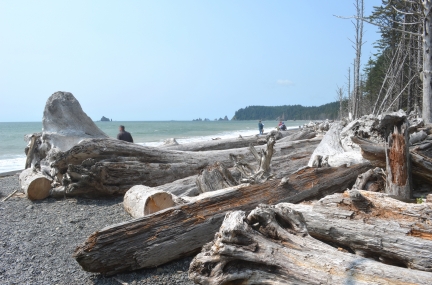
(147, 133)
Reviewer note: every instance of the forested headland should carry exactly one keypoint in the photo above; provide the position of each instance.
(288, 112)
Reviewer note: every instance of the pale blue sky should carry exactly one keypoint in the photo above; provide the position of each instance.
(173, 60)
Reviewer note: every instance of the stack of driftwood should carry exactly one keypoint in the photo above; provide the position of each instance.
(284, 208)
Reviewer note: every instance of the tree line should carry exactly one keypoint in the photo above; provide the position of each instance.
(288, 112)
(399, 75)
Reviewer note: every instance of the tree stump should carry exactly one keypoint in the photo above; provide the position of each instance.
(398, 163)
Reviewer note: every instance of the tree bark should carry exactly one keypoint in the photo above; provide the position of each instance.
(427, 61)
(180, 231)
(398, 164)
(373, 225)
(271, 245)
(35, 185)
(100, 167)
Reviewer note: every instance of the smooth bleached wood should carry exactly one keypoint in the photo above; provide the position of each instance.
(182, 230)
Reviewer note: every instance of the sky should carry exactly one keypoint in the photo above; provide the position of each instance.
(174, 60)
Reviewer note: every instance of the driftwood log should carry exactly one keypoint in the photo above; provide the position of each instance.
(287, 159)
(373, 225)
(271, 245)
(182, 230)
(140, 201)
(102, 167)
(420, 158)
(35, 185)
(239, 142)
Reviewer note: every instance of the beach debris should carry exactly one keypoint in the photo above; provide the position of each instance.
(170, 142)
(182, 230)
(273, 245)
(34, 184)
(141, 200)
(10, 195)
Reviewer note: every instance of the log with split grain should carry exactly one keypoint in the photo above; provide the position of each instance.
(373, 225)
(182, 230)
(271, 245)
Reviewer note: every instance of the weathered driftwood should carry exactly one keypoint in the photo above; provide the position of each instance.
(35, 185)
(215, 177)
(31, 158)
(371, 151)
(288, 158)
(398, 164)
(421, 158)
(330, 151)
(260, 173)
(99, 167)
(271, 245)
(180, 231)
(373, 225)
(141, 200)
(372, 180)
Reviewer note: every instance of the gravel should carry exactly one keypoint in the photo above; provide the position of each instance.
(37, 240)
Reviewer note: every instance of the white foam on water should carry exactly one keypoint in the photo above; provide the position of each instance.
(12, 162)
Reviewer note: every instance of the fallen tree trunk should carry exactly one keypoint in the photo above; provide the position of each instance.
(102, 167)
(420, 156)
(286, 161)
(240, 141)
(272, 246)
(35, 185)
(373, 225)
(180, 231)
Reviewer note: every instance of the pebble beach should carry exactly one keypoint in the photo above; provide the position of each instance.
(38, 238)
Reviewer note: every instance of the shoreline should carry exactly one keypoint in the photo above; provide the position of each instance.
(10, 173)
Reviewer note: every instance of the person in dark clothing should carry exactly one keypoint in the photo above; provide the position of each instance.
(260, 127)
(123, 135)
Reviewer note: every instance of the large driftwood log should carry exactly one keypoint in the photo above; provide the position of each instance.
(421, 158)
(272, 246)
(35, 185)
(373, 225)
(180, 231)
(100, 167)
(286, 161)
(331, 152)
(240, 142)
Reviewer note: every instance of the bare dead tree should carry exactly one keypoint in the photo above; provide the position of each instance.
(340, 97)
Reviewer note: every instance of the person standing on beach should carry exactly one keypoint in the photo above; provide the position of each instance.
(123, 135)
(260, 127)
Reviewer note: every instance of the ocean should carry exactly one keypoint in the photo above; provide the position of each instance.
(147, 133)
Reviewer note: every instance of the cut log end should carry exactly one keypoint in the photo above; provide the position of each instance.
(140, 201)
(35, 185)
